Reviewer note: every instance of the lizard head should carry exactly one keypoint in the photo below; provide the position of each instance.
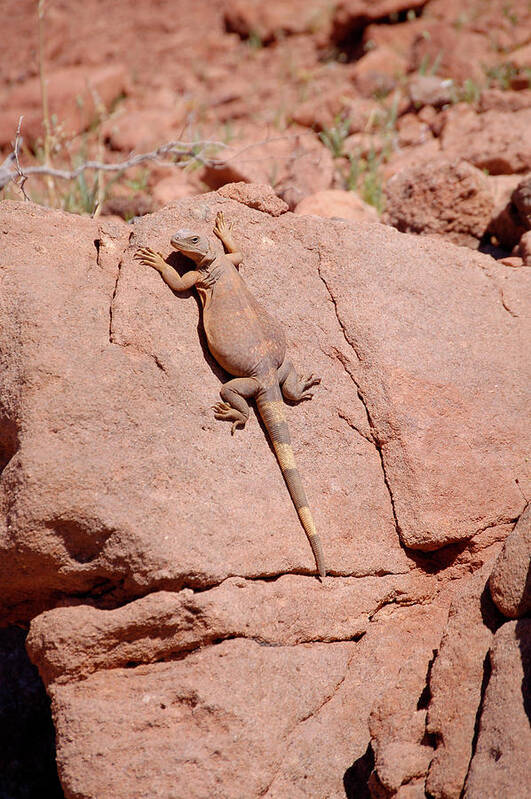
(191, 244)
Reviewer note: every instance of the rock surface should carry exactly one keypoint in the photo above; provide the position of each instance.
(487, 141)
(522, 199)
(197, 614)
(74, 96)
(295, 163)
(500, 766)
(451, 199)
(185, 645)
(456, 683)
(510, 581)
(117, 328)
(336, 203)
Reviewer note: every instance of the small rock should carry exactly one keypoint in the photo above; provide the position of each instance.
(412, 131)
(459, 55)
(140, 130)
(336, 203)
(170, 188)
(489, 141)
(450, 199)
(255, 195)
(296, 163)
(430, 90)
(505, 223)
(524, 248)
(504, 100)
(510, 583)
(512, 260)
(378, 71)
(521, 198)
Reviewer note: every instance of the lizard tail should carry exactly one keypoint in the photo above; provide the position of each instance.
(271, 408)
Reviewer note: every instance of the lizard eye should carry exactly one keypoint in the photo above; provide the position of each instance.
(195, 240)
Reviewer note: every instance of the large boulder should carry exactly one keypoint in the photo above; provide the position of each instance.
(102, 497)
(175, 616)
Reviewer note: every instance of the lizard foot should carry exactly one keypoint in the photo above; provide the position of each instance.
(222, 229)
(149, 257)
(225, 412)
(306, 383)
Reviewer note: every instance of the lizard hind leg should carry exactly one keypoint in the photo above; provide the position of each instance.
(294, 387)
(235, 407)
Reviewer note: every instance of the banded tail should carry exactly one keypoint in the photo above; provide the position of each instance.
(271, 408)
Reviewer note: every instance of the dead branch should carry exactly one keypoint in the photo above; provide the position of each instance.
(20, 173)
(181, 154)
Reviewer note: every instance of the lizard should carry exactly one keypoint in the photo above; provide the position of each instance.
(248, 344)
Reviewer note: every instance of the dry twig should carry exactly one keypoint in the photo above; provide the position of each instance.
(181, 154)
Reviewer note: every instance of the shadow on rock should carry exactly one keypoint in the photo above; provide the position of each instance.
(356, 777)
(27, 740)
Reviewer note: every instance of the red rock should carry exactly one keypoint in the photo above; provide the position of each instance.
(509, 581)
(514, 261)
(106, 386)
(378, 71)
(397, 724)
(448, 388)
(131, 534)
(399, 36)
(411, 158)
(332, 107)
(456, 683)
(442, 50)
(233, 697)
(127, 206)
(323, 111)
(255, 195)
(504, 100)
(295, 163)
(430, 90)
(524, 248)
(73, 96)
(363, 145)
(521, 58)
(336, 203)
(70, 643)
(171, 188)
(143, 130)
(505, 224)
(217, 721)
(275, 19)
(351, 16)
(412, 132)
(500, 766)
(451, 199)
(521, 198)
(487, 140)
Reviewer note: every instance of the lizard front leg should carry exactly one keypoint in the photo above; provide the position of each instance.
(149, 257)
(223, 231)
(234, 407)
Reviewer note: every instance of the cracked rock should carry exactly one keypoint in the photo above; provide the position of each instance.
(510, 581)
(500, 766)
